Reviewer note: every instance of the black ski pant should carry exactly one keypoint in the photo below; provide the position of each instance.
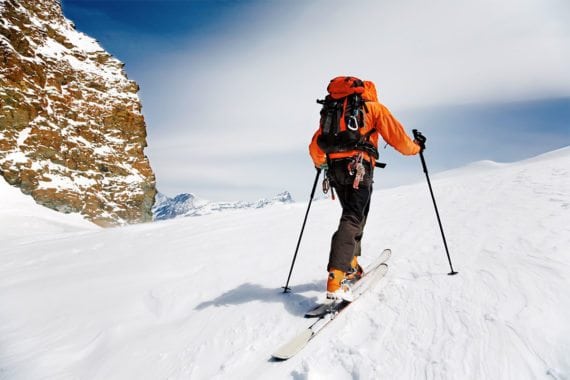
(355, 204)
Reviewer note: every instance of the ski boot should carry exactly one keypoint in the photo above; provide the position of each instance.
(355, 273)
(339, 287)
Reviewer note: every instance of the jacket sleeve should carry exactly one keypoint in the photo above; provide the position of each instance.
(393, 132)
(317, 155)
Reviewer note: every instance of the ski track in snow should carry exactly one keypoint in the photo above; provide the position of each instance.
(200, 297)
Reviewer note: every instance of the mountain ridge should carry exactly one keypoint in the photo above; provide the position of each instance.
(188, 204)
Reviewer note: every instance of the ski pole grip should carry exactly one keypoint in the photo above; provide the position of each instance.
(419, 138)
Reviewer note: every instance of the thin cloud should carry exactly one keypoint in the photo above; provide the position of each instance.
(253, 91)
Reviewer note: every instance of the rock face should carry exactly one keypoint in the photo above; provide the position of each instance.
(71, 130)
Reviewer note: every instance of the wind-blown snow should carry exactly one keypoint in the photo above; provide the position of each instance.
(200, 298)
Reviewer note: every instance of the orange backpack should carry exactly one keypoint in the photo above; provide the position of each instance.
(343, 117)
(341, 87)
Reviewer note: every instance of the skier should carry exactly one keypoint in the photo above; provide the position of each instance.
(349, 171)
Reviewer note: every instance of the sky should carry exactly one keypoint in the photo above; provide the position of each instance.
(229, 87)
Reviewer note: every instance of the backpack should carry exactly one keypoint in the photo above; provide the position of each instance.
(343, 118)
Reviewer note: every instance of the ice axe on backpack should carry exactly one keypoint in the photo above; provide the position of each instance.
(421, 140)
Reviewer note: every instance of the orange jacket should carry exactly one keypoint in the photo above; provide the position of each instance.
(377, 117)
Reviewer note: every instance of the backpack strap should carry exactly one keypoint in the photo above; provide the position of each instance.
(364, 144)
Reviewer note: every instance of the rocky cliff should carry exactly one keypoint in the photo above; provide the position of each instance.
(71, 130)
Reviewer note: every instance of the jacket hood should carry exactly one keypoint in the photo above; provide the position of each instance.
(370, 91)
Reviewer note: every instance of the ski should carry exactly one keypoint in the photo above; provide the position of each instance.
(331, 310)
(329, 305)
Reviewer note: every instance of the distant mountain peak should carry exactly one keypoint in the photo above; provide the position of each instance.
(188, 204)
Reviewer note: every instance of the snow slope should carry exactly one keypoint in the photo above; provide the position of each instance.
(200, 298)
(22, 218)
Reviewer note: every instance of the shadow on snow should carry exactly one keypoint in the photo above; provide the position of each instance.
(294, 302)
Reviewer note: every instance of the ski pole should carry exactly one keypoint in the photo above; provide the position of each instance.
(421, 139)
(286, 287)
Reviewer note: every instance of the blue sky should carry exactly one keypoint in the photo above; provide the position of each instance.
(229, 87)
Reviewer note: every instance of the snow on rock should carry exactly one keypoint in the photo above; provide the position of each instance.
(186, 204)
(201, 298)
(71, 130)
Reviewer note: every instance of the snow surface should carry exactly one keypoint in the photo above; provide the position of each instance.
(200, 298)
(22, 220)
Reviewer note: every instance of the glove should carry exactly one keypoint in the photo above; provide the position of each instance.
(419, 139)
